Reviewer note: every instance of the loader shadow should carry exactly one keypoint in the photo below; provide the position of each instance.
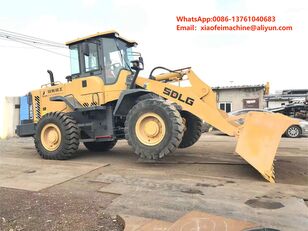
(292, 170)
(116, 154)
(178, 163)
(289, 170)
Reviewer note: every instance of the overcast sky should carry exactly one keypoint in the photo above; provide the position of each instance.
(219, 58)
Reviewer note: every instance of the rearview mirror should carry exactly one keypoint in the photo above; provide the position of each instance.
(137, 64)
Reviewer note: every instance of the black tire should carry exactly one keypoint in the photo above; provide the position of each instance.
(293, 131)
(147, 96)
(154, 96)
(172, 121)
(193, 129)
(100, 146)
(70, 135)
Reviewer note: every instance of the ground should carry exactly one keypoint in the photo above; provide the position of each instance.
(96, 191)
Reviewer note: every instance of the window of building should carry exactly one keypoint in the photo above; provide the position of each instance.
(225, 106)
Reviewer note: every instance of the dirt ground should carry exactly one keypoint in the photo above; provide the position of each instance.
(206, 177)
(22, 210)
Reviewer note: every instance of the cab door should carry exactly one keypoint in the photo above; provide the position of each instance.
(115, 67)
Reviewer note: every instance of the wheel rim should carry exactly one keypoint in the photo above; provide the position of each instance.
(51, 137)
(293, 131)
(150, 129)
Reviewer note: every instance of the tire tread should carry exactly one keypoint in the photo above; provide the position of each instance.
(193, 131)
(177, 129)
(71, 137)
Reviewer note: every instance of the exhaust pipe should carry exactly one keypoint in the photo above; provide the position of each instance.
(52, 80)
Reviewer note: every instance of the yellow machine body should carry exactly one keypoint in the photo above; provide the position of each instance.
(95, 93)
(258, 138)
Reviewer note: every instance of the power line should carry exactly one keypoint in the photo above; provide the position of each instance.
(31, 41)
(30, 38)
(41, 48)
(8, 36)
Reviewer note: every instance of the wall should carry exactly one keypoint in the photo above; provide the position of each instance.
(236, 96)
(9, 116)
(274, 104)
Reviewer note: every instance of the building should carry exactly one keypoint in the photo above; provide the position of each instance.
(286, 97)
(9, 116)
(232, 98)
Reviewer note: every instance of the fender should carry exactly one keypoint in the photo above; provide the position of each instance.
(127, 100)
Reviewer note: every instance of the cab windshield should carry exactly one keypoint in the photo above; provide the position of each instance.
(104, 57)
(117, 56)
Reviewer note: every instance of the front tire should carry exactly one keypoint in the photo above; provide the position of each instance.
(57, 136)
(147, 96)
(293, 131)
(153, 128)
(100, 146)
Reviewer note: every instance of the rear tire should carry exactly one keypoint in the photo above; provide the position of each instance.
(193, 129)
(293, 131)
(153, 128)
(57, 136)
(100, 146)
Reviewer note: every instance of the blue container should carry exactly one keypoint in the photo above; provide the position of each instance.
(24, 108)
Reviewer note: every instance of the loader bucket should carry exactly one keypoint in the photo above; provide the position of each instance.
(259, 139)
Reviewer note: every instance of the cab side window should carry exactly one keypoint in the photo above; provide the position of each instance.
(75, 68)
(91, 59)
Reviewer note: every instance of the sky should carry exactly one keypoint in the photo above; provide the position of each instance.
(219, 58)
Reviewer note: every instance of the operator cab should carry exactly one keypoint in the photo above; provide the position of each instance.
(103, 54)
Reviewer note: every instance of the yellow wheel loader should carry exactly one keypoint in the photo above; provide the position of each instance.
(105, 100)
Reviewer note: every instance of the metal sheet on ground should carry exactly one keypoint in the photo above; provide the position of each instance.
(117, 189)
(204, 221)
(133, 223)
(166, 199)
(156, 225)
(38, 174)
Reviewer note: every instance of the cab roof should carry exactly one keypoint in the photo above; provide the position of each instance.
(110, 33)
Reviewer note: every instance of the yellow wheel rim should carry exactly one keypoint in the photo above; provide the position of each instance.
(150, 129)
(51, 137)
